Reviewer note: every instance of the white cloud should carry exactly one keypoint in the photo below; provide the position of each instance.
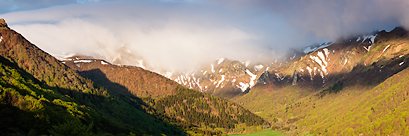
(168, 35)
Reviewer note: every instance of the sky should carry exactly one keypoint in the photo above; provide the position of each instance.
(179, 35)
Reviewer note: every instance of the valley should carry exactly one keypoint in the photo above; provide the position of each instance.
(354, 85)
(334, 89)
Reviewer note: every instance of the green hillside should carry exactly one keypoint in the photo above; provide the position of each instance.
(30, 107)
(189, 109)
(369, 100)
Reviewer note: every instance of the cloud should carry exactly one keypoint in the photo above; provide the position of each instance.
(333, 19)
(19, 5)
(180, 35)
(174, 35)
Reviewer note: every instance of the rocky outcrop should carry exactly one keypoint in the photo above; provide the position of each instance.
(3, 23)
(295, 78)
(264, 78)
(235, 69)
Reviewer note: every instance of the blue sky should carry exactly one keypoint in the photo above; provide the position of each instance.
(164, 32)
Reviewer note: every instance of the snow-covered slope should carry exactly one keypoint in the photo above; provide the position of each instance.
(222, 76)
(327, 62)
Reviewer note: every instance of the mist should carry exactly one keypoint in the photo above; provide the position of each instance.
(334, 19)
(182, 35)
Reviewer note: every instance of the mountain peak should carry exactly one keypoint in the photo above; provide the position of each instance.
(3, 23)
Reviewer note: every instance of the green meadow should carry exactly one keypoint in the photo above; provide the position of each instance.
(267, 132)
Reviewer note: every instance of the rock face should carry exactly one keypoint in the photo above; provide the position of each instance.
(264, 78)
(295, 78)
(236, 69)
(3, 23)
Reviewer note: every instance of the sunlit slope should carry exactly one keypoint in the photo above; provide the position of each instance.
(369, 99)
(134, 80)
(355, 110)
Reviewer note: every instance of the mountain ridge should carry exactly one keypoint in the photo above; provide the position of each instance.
(372, 70)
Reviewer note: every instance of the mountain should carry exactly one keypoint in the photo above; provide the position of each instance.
(355, 86)
(41, 95)
(136, 80)
(52, 95)
(163, 93)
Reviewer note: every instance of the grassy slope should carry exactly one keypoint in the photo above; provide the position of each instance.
(369, 100)
(267, 132)
(380, 110)
(356, 109)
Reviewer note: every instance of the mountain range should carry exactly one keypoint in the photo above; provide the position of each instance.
(356, 85)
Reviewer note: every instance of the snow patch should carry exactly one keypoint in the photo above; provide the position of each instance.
(103, 63)
(83, 61)
(278, 76)
(168, 74)
(400, 64)
(258, 67)
(252, 77)
(322, 75)
(186, 80)
(1, 38)
(221, 70)
(234, 80)
(220, 60)
(309, 71)
(326, 51)
(309, 49)
(386, 48)
(359, 38)
(321, 61)
(63, 57)
(321, 55)
(218, 84)
(212, 68)
(204, 72)
(367, 49)
(315, 69)
(243, 86)
(370, 37)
